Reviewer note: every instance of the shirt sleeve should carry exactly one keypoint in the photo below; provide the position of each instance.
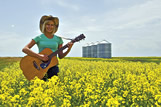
(60, 41)
(36, 39)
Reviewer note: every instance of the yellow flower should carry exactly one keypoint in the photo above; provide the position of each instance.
(125, 93)
(84, 82)
(16, 98)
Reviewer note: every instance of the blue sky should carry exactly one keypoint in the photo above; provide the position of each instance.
(132, 26)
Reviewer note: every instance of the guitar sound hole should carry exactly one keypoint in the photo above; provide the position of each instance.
(45, 64)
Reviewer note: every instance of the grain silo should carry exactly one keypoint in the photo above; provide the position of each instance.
(89, 50)
(104, 49)
(84, 52)
(94, 50)
(91, 45)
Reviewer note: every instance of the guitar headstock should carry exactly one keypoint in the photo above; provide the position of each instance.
(80, 37)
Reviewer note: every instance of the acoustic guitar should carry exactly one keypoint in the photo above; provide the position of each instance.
(32, 66)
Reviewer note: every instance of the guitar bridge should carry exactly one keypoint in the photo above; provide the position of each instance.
(35, 65)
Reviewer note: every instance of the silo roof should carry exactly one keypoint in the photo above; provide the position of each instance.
(87, 44)
(96, 43)
(90, 44)
(104, 42)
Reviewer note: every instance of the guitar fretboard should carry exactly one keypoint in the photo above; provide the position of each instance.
(56, 52)
(65, 46)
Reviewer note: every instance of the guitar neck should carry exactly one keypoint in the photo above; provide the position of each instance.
(80, 37)
(56, 52)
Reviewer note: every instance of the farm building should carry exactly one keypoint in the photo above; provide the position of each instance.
(97, 50)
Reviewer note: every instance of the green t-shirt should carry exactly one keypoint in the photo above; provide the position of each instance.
(43, 42)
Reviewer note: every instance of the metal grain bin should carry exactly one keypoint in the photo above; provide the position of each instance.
(89, 50)
(84, 52)
(94, 50)
(104, 49)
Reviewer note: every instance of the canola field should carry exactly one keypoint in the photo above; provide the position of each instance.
(86, 82)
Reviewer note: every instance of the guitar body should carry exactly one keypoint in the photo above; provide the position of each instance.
(33, 67)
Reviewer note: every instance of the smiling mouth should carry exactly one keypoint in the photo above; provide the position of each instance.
(50, 30)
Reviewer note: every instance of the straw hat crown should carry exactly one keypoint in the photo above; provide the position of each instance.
(54, 19)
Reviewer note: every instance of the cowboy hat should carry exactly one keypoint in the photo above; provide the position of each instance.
(54, 19)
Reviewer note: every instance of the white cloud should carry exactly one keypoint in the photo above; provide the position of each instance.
(136, 16)
(61, 3)
(64, 4)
